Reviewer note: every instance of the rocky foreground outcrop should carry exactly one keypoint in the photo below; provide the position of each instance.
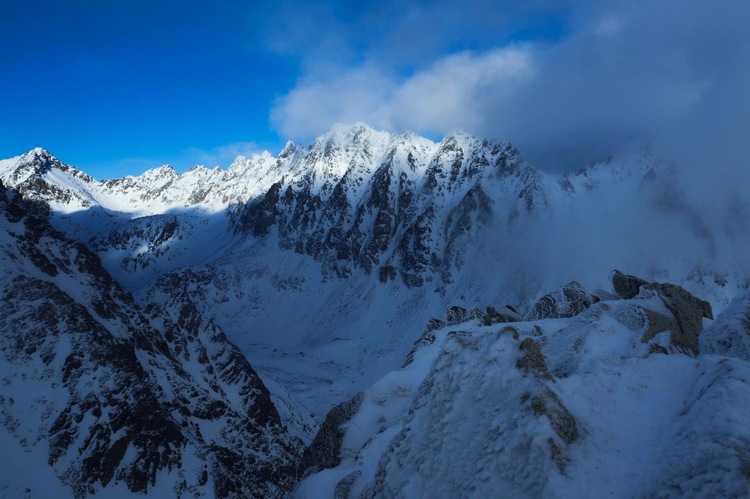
(686, 312)
(578, 400)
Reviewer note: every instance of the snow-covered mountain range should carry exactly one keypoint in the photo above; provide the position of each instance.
(237, 306)
(114, 395)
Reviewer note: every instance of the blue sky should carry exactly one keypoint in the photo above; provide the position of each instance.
(117, 87)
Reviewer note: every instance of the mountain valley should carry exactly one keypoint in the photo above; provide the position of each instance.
(374, 315)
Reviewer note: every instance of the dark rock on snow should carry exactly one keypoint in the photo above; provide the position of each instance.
(128, 391)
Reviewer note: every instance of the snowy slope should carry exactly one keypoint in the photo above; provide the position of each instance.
(601, 404)
(373, 234)
(324, 263)
(330, 252)
(118, 397)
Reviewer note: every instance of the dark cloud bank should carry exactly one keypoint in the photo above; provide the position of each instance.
(568, 85)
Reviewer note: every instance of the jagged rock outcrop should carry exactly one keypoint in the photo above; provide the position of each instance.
(570, 301)
(687, 311)
(626, 286)
(29, 176)
(499, 315)
(544, 402)
(325, 450)
(457, 315)
(367, 200)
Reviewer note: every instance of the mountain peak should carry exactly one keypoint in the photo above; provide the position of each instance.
(38, 152)
(355, 133)
(289, 149)
(33, 163)
(163, 171)
(37, 155)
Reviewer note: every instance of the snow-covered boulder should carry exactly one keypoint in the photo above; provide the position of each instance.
(729, 334)
(686, 312)
(569, 301)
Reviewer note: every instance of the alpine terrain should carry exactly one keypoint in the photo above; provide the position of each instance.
(373, 315)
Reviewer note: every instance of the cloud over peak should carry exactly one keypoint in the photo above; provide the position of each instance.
(435, 100)
(617, 75)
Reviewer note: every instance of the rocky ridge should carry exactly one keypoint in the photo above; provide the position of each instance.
(530, 407)
(323, 263)
(396, 206)
(119, 396)
(399, 207)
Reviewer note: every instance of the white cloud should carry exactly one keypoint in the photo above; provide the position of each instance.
(671, 73)
(340, 96)
(452, 93)
(442, 97)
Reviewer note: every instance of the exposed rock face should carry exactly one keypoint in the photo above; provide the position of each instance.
(498, 315)
(29, 179)
(543, 401)
(147, 239)
(391, 205)
(434, 324)
(687, 311)
(626, 286)
(532, 362)
(128, 398)
(324, 451)
(656, 323)
(344, 486)
(126, 413)
(457, 315)
(570, 301)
